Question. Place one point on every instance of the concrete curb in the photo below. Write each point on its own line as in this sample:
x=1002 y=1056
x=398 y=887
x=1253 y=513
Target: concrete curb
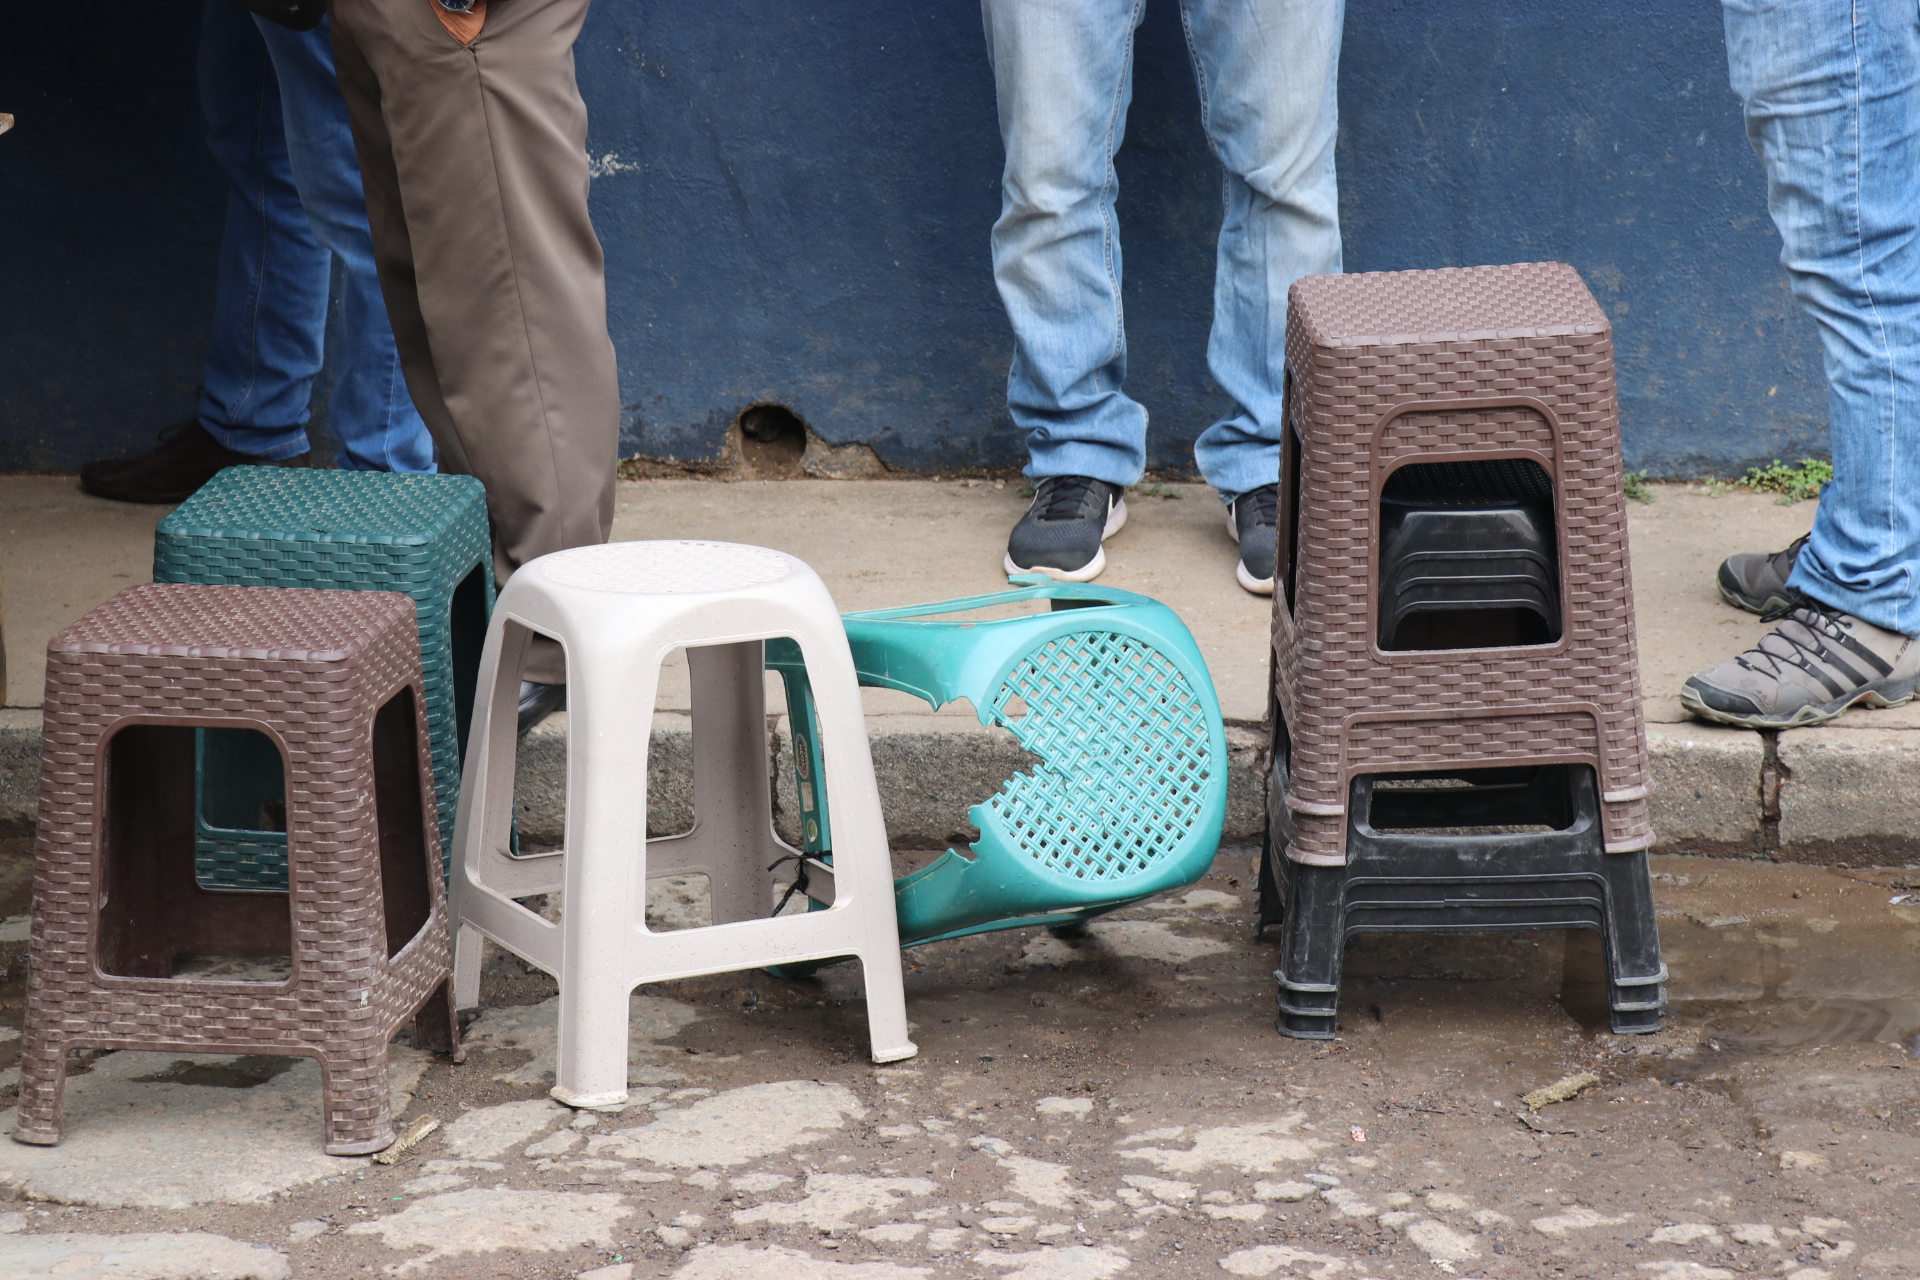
x=1817 y=796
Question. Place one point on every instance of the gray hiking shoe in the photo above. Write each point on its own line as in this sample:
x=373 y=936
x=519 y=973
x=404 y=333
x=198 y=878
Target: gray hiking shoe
x=1251 y=520
x=1814 y=665
x=1757 y=581
x=1061 y=533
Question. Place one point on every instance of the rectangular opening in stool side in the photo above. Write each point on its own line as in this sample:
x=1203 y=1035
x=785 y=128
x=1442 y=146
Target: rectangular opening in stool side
x=1469 y=556
x=403 y=816
x=1515 y=800
x=154 y=914
x=467 y=635
x=240 y=818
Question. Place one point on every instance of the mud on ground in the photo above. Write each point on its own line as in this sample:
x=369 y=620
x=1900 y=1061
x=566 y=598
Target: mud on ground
x=1116 y=1104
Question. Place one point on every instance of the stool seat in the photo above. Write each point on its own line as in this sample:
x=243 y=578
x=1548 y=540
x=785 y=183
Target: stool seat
x=330 y=682
x=619 y=611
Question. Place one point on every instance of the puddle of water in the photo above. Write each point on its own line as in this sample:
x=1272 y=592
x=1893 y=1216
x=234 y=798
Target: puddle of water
x=1783 y=1028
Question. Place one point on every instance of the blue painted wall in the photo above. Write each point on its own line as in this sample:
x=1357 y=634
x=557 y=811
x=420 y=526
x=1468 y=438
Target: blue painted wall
x=795 y=202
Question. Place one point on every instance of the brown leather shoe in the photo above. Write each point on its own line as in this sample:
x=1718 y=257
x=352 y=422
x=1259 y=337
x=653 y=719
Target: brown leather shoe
x=186 y=458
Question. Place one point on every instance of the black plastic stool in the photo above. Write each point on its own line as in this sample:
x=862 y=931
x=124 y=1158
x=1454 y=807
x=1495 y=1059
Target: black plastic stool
x=1467 y=556
x=1401 y=875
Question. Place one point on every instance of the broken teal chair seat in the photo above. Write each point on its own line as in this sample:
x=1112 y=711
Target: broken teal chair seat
x=1107 y=692
x=425 y=536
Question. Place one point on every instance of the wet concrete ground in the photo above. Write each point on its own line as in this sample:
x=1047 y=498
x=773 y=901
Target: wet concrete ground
x=1113 y=1105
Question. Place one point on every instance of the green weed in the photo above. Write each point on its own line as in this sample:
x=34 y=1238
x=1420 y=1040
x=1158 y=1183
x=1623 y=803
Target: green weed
x=1793 y=484
x=1636 y=486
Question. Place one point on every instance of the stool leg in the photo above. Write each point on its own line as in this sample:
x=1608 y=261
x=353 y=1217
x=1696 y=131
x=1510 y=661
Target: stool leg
x=605 y=872
x=43 y=1086
x=863 y=867
x=1634 y=972
x=484 y=820
x=469 y=947
x=1313 y=937
x=590 y=1064
x=731 y=790
x=359 y=1101
x=887 y=1005
x=436 y=1027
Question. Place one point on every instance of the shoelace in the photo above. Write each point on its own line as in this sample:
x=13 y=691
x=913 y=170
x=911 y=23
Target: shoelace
x=1802 y=639
x=1065 y=497
x=1265 y=504
x=1790 y=555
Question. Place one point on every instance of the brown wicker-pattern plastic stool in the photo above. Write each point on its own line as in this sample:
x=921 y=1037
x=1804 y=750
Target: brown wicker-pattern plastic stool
x=1475 y=363
x=1456 y=370
x=333 y=679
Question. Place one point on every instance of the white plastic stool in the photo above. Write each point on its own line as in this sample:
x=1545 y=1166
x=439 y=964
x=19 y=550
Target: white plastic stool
x=619 y=610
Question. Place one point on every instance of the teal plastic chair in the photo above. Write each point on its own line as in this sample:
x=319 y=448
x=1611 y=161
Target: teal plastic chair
x=425 y=536
x=1107 y=691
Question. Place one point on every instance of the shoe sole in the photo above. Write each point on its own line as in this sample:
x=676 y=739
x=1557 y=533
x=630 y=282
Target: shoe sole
x=1877 y=697
x=1259 y=586
x=134 y=495
x=152 y=499
x=1116 y=521
x=1746 y=605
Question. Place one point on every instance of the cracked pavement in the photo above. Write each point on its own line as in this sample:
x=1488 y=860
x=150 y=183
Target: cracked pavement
x=1114 y=1104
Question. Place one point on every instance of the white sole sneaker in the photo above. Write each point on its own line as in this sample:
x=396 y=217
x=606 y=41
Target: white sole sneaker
x=1259 y=586
x=1116 y=521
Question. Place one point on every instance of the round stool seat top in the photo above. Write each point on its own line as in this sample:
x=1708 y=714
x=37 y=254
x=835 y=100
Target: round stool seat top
x=665 y=568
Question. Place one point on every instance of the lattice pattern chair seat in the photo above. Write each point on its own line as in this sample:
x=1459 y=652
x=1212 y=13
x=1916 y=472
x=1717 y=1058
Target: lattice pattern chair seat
x=425 y=536
x=1109 y=693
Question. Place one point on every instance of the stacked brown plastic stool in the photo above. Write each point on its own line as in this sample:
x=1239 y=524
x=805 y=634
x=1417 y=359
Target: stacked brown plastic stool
x=331 y=677
x=1401 y=770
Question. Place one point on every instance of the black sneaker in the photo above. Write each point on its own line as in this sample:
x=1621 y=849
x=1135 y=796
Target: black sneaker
x=1251 y=520
x=1757 y=582
x=186 y=458
x=1061 y=533
x=538 y=701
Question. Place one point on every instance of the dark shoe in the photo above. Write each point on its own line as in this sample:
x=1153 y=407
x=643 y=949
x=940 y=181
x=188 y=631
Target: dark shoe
x=1061 y=533
x=538 y=701
x=1757 y=582
x=1814 y=665
x=1251 y=518
x=187 y=458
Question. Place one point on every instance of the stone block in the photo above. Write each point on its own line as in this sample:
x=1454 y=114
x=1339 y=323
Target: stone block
x=540 y=780
x=1706 y=788
x=1850 y=795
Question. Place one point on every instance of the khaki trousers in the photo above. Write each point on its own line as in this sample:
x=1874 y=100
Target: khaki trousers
x=475 y=165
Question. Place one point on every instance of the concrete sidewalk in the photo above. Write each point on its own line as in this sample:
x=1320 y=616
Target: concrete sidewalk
x=1841 y=793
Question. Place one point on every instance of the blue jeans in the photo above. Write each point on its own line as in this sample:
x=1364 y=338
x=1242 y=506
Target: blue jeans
x=1063 y=70
x=1832 y=96
x=278 y=127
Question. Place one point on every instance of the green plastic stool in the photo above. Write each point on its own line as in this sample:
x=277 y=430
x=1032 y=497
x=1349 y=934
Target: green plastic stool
x=1110 y=693
x=425 y=536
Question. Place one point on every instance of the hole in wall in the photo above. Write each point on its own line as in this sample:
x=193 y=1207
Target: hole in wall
x=773 y=439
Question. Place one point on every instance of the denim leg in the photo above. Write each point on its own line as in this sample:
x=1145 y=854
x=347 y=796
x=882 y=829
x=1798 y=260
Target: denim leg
x=1832 y=96
x=1063 y=76
x=370 y=411
x=1267 y=71
x=270 y=293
